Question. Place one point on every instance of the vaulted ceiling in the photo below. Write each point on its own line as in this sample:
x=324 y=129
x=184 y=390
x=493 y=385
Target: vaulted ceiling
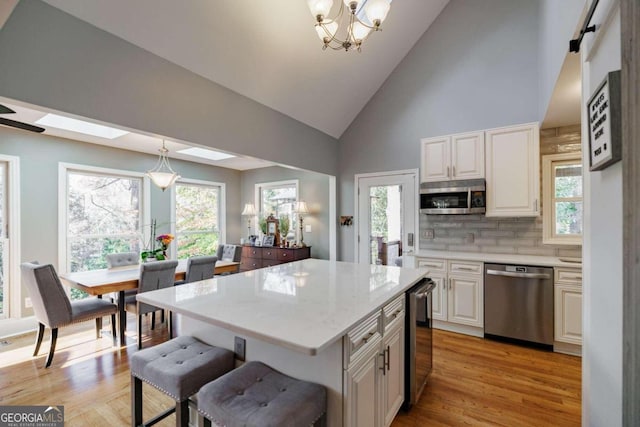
x=266 y=50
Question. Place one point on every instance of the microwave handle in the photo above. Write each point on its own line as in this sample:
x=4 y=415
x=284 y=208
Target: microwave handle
x=469 y=199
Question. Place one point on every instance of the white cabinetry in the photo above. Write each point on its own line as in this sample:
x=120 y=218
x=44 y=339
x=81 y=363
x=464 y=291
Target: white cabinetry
x=374 y=375
x=452 y=157
x=513 y=171
x=458 y=295
x=568 y=305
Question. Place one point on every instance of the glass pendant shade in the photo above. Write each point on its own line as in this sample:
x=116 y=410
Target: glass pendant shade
x=320 y=7
x=327 y=30
x=162 y=175
x=360 y=31
x=376 y=10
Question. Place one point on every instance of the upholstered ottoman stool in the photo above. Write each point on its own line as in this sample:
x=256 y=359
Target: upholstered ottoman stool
x=256 y=395
x=179 y=368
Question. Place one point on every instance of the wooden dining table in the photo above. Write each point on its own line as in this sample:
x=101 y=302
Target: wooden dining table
x=121 y=279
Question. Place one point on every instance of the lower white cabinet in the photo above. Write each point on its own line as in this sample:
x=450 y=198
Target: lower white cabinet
x=458 y=295
x=568 y=305
x=374 y=375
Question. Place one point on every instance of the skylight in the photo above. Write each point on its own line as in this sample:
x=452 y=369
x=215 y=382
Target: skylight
x=80 y=126
x=205 y=154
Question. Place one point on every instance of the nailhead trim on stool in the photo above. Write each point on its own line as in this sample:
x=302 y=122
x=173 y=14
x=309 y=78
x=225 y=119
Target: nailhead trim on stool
x=178 y=368
x=257 y=395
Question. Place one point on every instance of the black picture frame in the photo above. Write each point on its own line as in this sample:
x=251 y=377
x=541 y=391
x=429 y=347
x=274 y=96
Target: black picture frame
x=268 y=240
x=605 y=123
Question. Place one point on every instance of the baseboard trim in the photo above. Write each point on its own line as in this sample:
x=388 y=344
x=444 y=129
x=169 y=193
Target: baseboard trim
x=461 y=329
x=14 y=327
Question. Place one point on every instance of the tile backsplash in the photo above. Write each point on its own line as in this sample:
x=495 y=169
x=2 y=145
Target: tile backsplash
x=477 y=233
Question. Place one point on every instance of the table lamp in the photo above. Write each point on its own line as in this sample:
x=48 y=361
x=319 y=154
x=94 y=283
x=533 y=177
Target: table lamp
x=249 y=211
x=301 y=209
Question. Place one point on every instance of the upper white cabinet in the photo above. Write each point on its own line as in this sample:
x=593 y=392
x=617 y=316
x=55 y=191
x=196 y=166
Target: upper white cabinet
x=513 y=172
x=452 y=157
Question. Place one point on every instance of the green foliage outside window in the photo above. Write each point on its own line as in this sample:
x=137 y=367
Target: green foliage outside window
x=197 y=220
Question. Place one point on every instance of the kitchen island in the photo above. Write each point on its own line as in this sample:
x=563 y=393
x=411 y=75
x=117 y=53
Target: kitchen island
x=305 y=318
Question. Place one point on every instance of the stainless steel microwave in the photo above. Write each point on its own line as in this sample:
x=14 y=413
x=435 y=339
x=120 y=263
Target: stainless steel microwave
x=453 y=197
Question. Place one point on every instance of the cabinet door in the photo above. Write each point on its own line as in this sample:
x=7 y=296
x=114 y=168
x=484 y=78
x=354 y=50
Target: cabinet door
x=513 y=171
x=439 y=298
x=362 y=392
x=436 y=159
x=568 y=314
x=465 y=300
x=393 y=374
x=467 y=155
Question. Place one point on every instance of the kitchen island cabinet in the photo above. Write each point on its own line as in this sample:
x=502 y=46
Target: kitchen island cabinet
x=298 y=318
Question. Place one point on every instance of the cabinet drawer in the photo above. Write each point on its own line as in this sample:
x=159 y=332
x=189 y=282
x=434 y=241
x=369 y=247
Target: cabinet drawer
x=269 y=253
x=250 y=263
x=465 y=267
x=285 y=255
x=251 y=252
x=433 y=264
x=270 y=262
x=393 y=311
x=363 y=336
x=568 y=275
x=302 y=253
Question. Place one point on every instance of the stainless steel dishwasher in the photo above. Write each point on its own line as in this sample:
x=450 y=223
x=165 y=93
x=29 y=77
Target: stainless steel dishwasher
x=518 y=303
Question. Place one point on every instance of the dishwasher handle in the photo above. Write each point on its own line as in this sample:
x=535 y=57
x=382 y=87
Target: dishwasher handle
x=518 y=275
x=425 y=290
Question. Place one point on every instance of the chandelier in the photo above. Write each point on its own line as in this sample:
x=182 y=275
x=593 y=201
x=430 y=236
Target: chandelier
x=359 y=25
x=162 y=175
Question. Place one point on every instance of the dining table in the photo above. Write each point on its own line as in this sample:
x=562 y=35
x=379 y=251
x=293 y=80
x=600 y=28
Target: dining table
x=121 y=279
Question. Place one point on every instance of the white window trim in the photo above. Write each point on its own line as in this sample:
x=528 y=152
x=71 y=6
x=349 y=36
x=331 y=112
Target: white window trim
x=13 y=306
x=222 y=208
x=549 y=237
x=258 y=205
x=63 y=169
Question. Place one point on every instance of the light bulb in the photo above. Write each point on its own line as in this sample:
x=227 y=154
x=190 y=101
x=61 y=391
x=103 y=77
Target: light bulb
x=320 y=7
x=331 y=28
x=376 y=10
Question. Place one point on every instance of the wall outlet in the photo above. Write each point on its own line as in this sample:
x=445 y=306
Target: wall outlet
x=28 y=303
x=240 y=348
x=307 y=228
x=428 y=234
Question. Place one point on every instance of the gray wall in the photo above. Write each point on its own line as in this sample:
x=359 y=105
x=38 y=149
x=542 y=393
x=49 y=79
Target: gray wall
x=313 y=188
x=558 y=21
x=39 y=157
x=51 y=59
x=474 y=68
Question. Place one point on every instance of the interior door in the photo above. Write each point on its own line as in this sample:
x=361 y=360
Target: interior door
x=386 y=216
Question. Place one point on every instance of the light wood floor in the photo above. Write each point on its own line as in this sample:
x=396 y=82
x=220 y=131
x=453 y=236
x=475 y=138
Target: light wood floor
x=474 y=382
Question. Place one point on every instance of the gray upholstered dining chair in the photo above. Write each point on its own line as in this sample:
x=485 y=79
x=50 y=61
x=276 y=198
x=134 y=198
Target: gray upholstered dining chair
x=229 y=253
x=122 y=259
x=199 y=268
x=53 y=309
x=153 y=275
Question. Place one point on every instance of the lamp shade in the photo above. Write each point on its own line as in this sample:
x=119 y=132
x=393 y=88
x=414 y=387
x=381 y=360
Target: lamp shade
x=320 y=7
x=327 y=30
x=376 y=10
x=301 y=208
x=249 y=209
x=163 y=179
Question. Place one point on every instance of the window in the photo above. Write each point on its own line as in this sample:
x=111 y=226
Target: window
x=562 y=207
x=198 y=220
x=279 y=199
x=102 y=212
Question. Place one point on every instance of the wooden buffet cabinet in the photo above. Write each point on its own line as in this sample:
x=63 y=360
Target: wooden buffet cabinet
x=257 y=257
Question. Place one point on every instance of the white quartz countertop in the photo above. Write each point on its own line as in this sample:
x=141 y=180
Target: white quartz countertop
x=544 y=261
x=304 y=306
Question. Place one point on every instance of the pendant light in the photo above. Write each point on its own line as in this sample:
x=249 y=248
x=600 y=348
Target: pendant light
x=162 y=175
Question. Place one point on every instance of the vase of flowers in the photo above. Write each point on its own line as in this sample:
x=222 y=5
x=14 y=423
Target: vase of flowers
x=164 y=240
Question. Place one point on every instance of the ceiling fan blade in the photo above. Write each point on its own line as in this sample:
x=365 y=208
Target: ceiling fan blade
x=20 y=125
x=5 y=110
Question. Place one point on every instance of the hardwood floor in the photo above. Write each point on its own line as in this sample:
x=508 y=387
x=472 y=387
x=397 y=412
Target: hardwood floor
x=474 y=382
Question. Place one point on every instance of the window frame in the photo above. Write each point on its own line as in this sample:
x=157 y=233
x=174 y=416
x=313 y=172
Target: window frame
x=63 y=193
x=222 y=209
x=12 y=299
x=258 y=202
x=549 y=235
